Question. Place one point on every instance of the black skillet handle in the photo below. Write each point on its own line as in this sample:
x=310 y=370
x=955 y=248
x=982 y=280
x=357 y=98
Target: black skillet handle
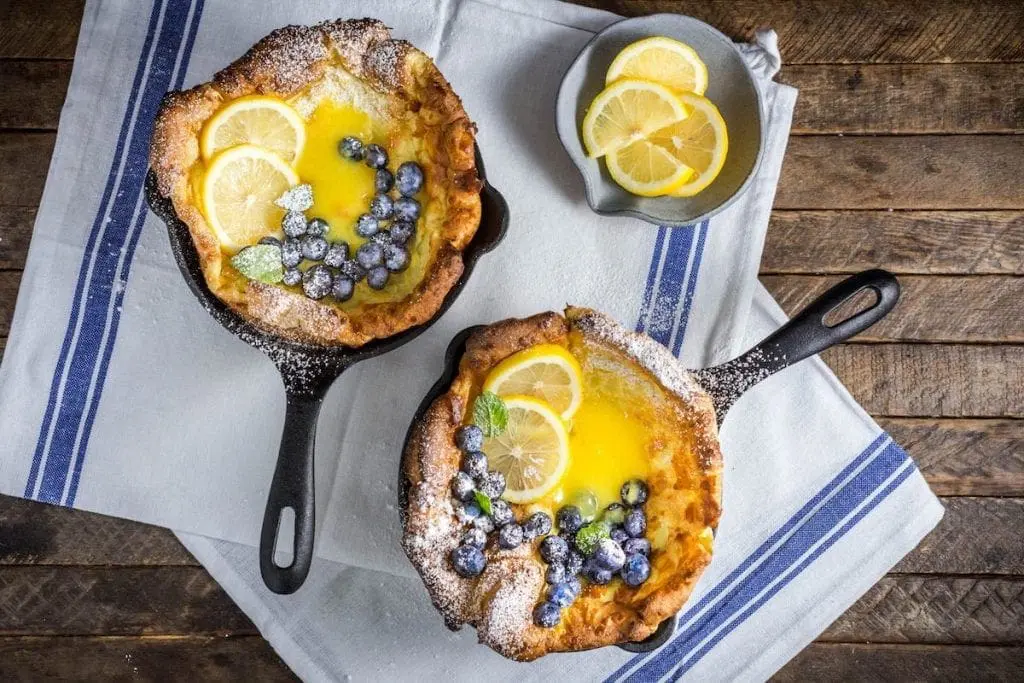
x=804 y=335
x=293 y=488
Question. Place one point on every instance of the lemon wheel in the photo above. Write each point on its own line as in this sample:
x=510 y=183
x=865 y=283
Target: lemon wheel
x=647 y=169
x=627 y=111
x=663 y=60
x=264 y=121
x=547 y=372
x=532 y=452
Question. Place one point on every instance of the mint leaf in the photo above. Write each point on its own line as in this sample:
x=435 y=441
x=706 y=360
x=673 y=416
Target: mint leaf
x=490 y=414
x=484 y=501
x=590 y=535
x=261 y=262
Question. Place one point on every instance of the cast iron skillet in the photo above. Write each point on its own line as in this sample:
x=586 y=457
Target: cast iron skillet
x=308 y=370
x=806 y=334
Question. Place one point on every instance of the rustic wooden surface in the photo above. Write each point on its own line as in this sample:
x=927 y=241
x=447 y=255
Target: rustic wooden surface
x=903 y=156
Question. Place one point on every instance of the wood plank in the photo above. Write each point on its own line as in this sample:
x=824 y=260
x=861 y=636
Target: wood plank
x=975 y=536
x=115 y=659
x=981 y=308
x=924 y=242
x=15 y=232
x=903 y=172
x=935 y=609
x=908 y=98
x=126 y=601
x=24 y=161
x=40 y=28
x=32 y=93
x=870 y=663
x=932 y=380
x=964 y=457
x=9 y=281
x=877 y=31
x=39 y=534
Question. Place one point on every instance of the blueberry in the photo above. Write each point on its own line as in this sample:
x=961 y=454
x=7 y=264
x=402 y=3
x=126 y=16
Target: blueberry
x=510 y=536
x=547 y=615
x=317 y=227
x=474 y=537
x=343 y=288
x=396 y=258
x=377 y=277
x=562 y=594
x=317 y=281
x=469 y=438
x=468 y=561
x=406 y=209
x=573 y=563
x=370 y=255
x=614 y=513
x=474 y=463
x=570 y=519
x=468 y=512
x=270 y=240
x=555 y=573
x=375 y=156
x=635 y=523
x=637 y=545
x=336 y=254
x=401 y=231
x=636 y=570
x=501 y=513
x=596 y=574
x=314 y=248
x=409 y=178
x=491 y=483
x=351 y=269
x=383 y=181
x=383 y=238
x=351 y=148
x=382 y=206
x=537 y=524
x=554 y=549
x=634 y=492
x=292 y=276
x=484 y=523
x=462 y=486
x=619 y=535
x=609 y=555
x=367 y=225
x=293 y=224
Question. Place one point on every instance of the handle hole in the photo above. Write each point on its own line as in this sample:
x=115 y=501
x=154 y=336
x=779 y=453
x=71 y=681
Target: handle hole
x=852 y=306
x=284 y=543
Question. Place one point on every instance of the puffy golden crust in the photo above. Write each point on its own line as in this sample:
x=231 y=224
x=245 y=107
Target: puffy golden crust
x=499 y=603
x=284 y=64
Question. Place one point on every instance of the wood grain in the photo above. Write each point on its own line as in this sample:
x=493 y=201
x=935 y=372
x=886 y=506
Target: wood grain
x=975 y=536
x=15 y=232
x=117 y=659
x=9 y=281
x=908 y=98
x=24 y=160
x=126 y=601
x=870 y=663
x=32 y=93
x=965 y=457
x=39 y=28
x=932 y=380
x=903 y=172
x=985 y=308
x=39 y=534
x=923 y=242
x=819 y=31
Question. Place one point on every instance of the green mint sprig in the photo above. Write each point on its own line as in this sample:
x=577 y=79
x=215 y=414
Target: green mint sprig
x=260 y=262
x=490 y=414
x=484 y=501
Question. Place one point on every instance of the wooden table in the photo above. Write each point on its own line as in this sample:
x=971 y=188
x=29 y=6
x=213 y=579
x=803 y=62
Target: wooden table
x=903 y=156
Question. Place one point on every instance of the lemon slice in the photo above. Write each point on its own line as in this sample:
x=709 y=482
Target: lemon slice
x=533 y=451
x=239 y=190
x=647 y=169
x=627 y=111
x=547 y=372
x=264 y=121
x=663 y=60
x=700 y=142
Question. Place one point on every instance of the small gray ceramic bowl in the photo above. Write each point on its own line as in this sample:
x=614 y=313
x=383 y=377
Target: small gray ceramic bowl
x=731 y=88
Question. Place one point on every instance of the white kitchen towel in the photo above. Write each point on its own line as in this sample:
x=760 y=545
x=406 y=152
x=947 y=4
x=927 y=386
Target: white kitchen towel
x=120 y=395
x=818 y=505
